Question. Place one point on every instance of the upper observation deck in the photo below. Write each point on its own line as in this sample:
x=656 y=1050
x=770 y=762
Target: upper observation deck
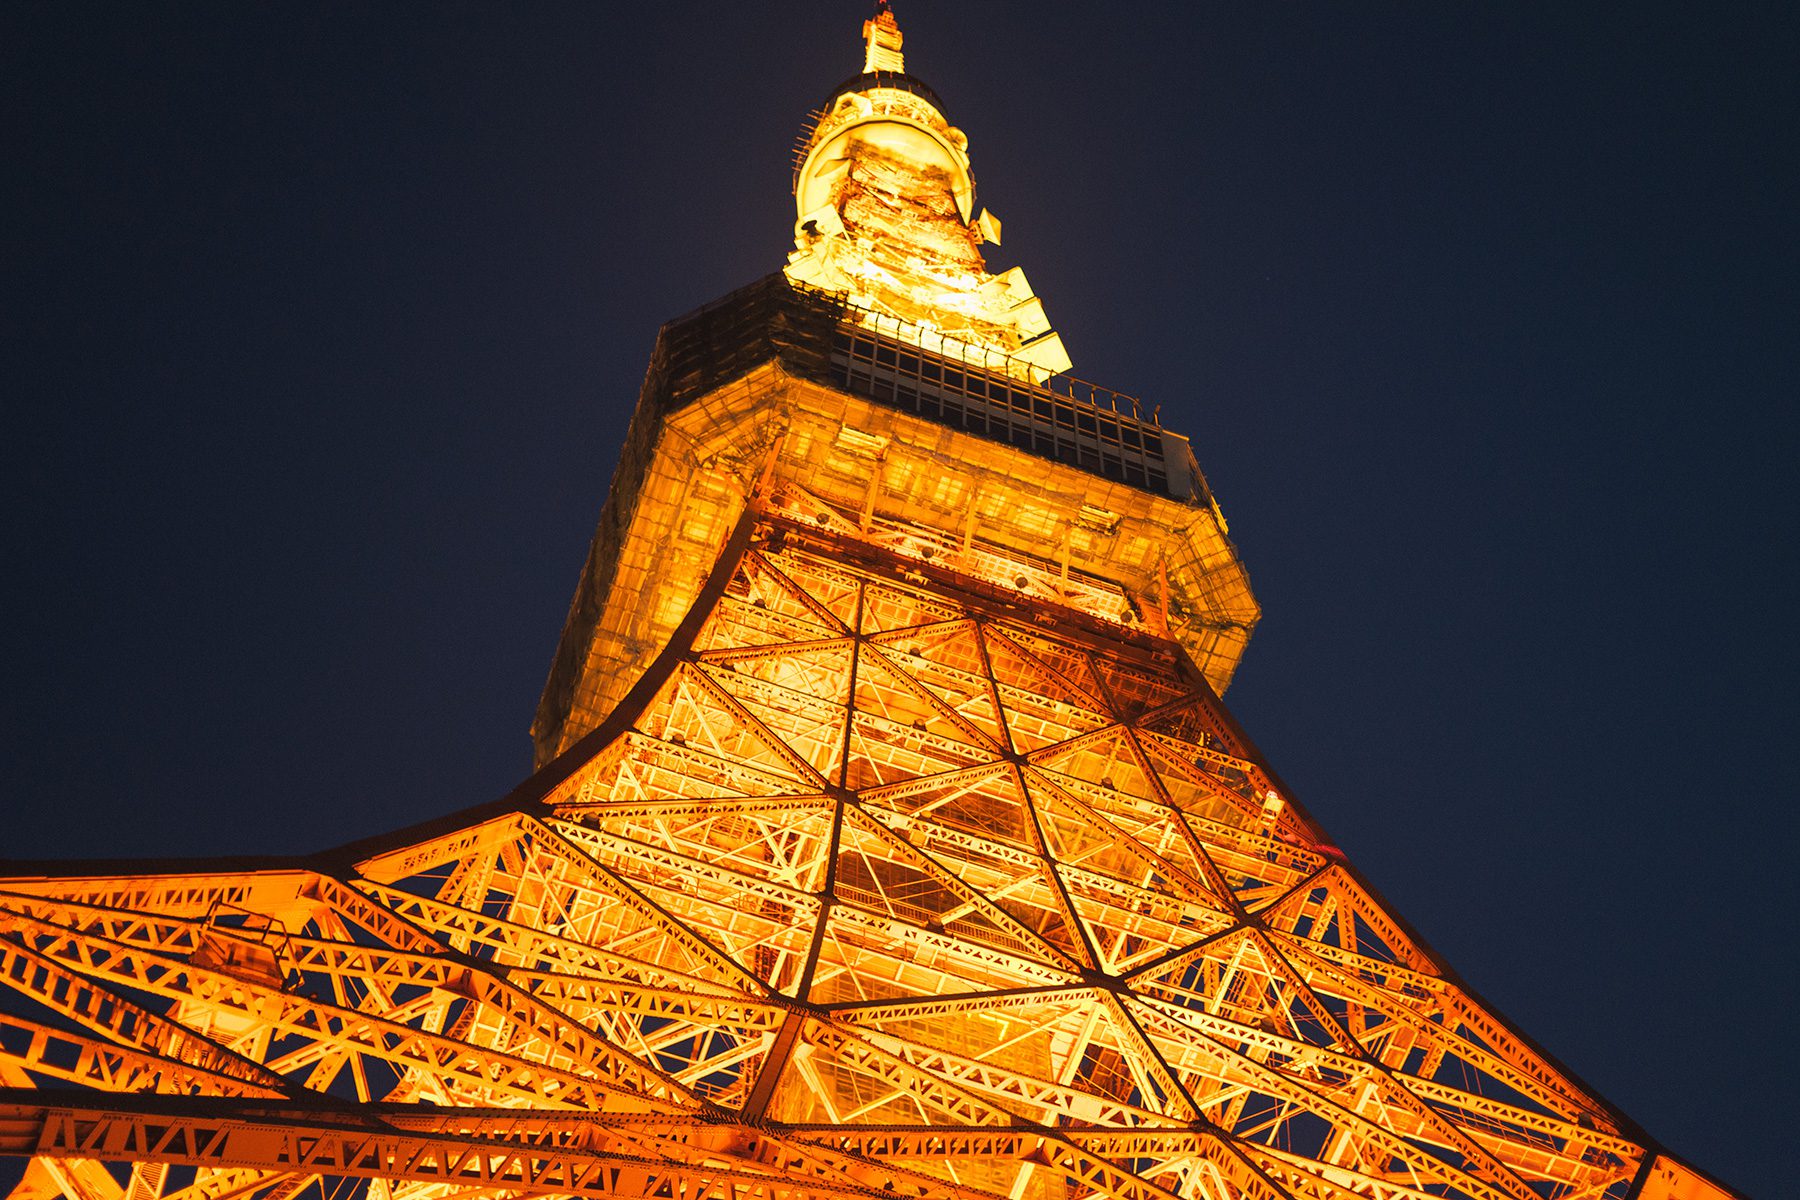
x=893 y=438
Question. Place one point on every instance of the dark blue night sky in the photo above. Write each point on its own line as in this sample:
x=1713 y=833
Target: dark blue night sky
x=324 y=323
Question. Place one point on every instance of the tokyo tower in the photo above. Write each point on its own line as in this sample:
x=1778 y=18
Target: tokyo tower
x=889 y=837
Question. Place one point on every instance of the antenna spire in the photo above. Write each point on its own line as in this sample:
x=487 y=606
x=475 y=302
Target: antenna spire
x=881 y=41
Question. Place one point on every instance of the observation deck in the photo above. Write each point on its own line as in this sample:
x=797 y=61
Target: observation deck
x=1000 y=397
x=1046 y=491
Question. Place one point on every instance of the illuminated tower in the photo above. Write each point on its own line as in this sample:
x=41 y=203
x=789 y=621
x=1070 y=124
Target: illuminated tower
x=889 y=839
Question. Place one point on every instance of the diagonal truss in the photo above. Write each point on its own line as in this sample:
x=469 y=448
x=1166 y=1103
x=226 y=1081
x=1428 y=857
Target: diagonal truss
x=871 y=887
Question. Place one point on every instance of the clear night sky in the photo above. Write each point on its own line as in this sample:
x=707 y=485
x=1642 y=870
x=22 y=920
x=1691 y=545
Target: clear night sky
x=324 y=323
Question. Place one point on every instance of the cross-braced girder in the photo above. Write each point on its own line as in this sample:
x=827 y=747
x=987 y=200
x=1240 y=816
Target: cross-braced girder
x=872 y=886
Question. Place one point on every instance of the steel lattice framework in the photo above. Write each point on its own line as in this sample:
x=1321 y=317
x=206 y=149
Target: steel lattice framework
x=870 y=888
x=891 y=841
